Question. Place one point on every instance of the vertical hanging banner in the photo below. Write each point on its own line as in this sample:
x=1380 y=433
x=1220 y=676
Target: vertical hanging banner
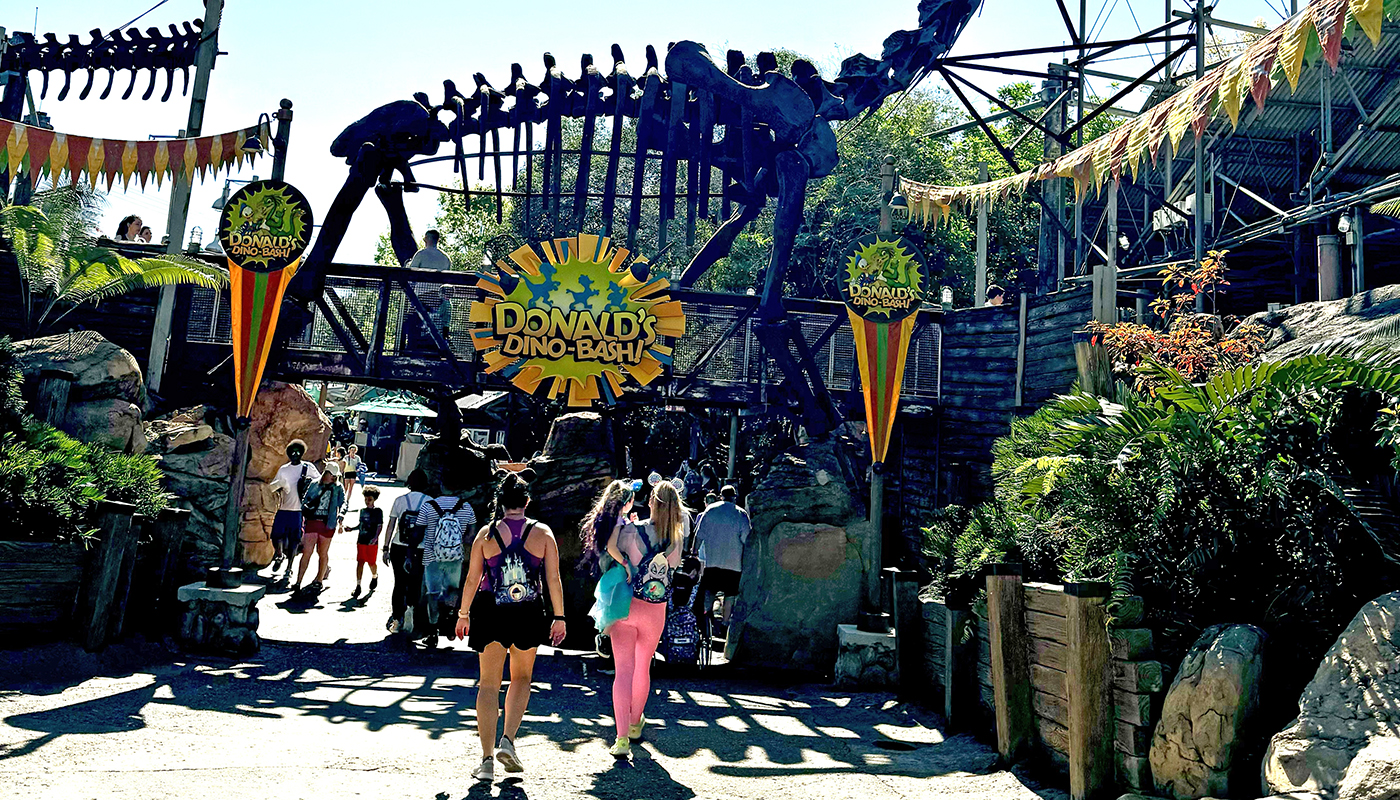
x=882 y=281
x=264 y=229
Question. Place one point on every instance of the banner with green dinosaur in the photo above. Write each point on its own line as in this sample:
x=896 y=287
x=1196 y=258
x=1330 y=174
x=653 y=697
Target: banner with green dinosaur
x=264 y=229
x=882 y=281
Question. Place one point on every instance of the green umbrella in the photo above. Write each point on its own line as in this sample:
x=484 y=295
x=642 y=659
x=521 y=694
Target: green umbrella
x=394 y=405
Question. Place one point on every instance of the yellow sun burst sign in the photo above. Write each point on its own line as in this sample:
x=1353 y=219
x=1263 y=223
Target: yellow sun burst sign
x=577 y=316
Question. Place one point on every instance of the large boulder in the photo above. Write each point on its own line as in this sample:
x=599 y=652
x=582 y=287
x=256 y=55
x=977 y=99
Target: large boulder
x=281 y=413
x=1296 y=329
x=108 y=395
x=1207 y=717
x=1345 y=743
x=806 y=563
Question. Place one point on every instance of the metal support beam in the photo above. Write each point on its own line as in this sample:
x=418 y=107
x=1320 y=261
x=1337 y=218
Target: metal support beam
x=1198 y=218
x=980 y=282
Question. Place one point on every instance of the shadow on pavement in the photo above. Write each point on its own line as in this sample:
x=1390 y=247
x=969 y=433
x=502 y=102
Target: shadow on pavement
x=753 y=729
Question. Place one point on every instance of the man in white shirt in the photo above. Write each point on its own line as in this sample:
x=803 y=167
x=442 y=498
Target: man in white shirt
x=291 y=482
x=430 y=257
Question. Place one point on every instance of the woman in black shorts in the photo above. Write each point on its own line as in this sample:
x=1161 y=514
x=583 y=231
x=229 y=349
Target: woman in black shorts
x=513 y=560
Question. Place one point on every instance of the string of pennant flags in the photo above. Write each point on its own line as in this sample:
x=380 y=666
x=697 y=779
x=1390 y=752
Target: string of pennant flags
x=63 y=156
x=1314 y=33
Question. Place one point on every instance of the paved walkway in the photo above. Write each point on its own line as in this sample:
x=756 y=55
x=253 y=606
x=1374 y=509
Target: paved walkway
x=329 y=710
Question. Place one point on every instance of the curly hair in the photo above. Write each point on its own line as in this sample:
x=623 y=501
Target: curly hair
x=598 y=524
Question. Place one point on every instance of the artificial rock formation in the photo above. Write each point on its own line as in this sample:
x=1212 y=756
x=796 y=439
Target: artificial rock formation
x=108 y=395
x=1297 y=329
x=572 y=470
x=196 y=460
x=805 y=564
x=1207 y=714
x=282 y=412
x=1345 y=743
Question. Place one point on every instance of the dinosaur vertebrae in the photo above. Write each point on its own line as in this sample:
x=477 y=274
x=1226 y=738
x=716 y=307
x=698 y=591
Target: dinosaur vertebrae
x=116 y=51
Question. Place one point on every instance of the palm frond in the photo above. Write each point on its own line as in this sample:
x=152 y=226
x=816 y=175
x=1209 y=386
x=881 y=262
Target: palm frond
x=1389 y=208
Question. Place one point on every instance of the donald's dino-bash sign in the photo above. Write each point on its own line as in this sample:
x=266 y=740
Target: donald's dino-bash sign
x=576 y=315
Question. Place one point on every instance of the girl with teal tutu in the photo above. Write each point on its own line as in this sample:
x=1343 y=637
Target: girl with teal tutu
x=613 y=595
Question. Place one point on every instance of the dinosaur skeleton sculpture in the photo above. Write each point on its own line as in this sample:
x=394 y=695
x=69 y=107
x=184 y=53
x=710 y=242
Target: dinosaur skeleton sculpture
x=115 y=51
x=776 y=137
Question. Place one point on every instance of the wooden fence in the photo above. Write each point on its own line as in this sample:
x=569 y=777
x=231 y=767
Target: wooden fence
x=998 y=363
x=1040 y=667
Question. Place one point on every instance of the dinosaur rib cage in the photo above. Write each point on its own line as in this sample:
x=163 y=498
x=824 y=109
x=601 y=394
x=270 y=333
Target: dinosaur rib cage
x=608 y=138
x=129 y=51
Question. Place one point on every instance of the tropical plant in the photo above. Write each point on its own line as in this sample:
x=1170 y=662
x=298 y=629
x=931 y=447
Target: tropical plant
x=61 y=266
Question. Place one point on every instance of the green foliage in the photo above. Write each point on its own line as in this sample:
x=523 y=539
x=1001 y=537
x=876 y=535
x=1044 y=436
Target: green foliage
x=61 y=266
x=1265 y=495
x=50 y=482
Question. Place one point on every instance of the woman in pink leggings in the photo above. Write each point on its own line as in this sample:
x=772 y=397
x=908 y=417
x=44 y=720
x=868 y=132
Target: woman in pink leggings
x=649 y=553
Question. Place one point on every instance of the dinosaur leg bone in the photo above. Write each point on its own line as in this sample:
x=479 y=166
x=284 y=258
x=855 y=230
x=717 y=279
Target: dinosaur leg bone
x=792 y=172
x=720 y=243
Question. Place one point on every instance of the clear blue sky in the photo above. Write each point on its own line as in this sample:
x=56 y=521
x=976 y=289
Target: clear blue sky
x=338 y=60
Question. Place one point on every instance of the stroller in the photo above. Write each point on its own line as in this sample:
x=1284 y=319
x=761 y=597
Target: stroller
x=681 y=639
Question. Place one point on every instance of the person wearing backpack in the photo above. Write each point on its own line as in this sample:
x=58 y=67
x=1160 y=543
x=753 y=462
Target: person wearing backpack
x=292 y=481
x=324 y=509
x=514 y=563
x=448 y=525
x=403 y=549
x=650 y=554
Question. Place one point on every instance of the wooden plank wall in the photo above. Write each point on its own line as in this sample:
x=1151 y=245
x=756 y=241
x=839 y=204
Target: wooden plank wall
x=1046 y=640
x=1050 y=324
x=950 y=460
x=38 y=588
x=125 y=321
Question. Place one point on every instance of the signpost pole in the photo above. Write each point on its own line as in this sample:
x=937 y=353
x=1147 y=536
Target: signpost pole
x=877 y=468
x=180 y=192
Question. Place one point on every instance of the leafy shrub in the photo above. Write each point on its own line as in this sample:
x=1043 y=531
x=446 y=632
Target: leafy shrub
x=1250 y=499
x=50 y=482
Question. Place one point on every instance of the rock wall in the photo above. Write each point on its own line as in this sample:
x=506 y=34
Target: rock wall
x=196 y=460
x=108 y=396
x=282 y=412
x=572 y=470
x=1296 y=329
x=1345 y=743
x=805 y=564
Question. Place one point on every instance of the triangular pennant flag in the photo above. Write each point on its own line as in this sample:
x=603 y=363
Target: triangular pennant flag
x=40 y=145
x=97 y=158
x=160 y=161
x=16 y=144
x=1368 y=15
x=1330 y=19
x=58 y=157
x=128 y=163
x=145 y=160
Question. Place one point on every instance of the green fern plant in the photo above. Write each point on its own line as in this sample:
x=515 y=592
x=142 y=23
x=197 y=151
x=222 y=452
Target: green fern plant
x=61 y=266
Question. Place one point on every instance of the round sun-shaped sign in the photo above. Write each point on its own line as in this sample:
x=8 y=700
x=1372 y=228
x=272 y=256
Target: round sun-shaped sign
x=580 y=318
x=265 y=225
x=882 y=277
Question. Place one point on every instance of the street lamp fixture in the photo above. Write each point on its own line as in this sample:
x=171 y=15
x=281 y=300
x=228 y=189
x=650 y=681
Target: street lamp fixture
x=228 y=182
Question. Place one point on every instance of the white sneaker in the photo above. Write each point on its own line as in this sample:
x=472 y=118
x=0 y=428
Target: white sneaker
x=487 y=771
x=505 y=753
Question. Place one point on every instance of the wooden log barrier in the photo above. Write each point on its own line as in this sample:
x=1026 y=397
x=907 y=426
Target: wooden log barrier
x=1011 y=682
x=52 y=395
x=115 y=535
x=1095 y=367
x=1089 y=684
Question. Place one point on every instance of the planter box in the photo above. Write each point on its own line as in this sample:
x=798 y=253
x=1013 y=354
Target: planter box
x=39 y=583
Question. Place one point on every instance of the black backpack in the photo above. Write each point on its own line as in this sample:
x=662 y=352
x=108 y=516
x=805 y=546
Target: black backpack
x=303 y=483
x=410 y=532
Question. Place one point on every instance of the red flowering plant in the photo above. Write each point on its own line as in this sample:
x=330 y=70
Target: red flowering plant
x=1194 y=344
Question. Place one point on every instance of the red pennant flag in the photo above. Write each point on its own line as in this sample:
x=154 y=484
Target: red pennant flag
x=176 y=149
x=78 y=147
x=145 y=160
x=112 y=150
x=40 y=141
x=202 y=146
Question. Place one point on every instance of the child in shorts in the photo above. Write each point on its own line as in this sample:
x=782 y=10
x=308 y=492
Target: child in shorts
x=367 y=550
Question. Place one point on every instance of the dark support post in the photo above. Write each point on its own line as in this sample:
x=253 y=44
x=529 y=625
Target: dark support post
x=733 y=445
x=1198 y=214
x=1089 y=684
x=115 y=536
x=1329 y=268
x=233 y=512
x=877 y=470
x=280 y=139
x=1095 y=368
x=959 y=667
x=1011 y=683
x=169 y=528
